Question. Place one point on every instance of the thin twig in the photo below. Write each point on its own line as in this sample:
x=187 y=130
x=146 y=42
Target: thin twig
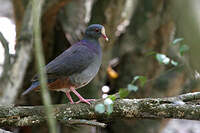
x=86 y=122
x=6 y=65
x=4 y=42
x=37 y=12
x=187 y=97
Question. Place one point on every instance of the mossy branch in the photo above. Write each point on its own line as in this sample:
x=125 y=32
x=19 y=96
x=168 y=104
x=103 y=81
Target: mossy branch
x=151 y=108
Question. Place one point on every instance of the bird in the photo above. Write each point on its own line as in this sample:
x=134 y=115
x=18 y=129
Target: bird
x=76 y=66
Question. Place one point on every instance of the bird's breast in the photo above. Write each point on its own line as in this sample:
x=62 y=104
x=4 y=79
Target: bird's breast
x=84 y=77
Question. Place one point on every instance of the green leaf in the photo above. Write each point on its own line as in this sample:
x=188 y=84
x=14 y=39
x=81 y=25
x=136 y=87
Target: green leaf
x=109 y=105
x=174 y=63
x=177 y=40
x=112 y=97
x=108 y=101
x=142 y=80
x=100 y=108
x=136 y=78
x=132 y=87
x=109 y=109
x=183 y=48
x=123 y=93
x=162 y=58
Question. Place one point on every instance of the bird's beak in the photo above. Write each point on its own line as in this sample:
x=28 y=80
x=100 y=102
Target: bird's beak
x=103 y=33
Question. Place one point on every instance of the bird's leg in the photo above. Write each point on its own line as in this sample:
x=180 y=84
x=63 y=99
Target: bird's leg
x=80 y=97
x=69 y=97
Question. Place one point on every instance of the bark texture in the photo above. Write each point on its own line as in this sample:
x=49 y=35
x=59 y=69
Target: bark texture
x=149 y=108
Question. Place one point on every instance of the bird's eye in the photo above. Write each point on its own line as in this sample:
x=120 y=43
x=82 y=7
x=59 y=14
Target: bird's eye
x=97 y=30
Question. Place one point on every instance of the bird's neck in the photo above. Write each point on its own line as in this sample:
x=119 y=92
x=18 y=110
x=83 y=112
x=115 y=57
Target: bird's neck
x=91 y=39
x=92 y=44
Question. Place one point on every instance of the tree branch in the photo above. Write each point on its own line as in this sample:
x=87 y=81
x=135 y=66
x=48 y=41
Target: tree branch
x=86 y=122
x=151 y=108
x=186 y=97
x=6 y=64
x=11 y=84
x=4 y=42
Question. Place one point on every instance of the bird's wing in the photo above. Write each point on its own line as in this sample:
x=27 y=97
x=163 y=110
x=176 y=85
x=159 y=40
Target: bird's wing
x=73 y=60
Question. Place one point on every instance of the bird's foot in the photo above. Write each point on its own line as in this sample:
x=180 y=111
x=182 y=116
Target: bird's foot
x=85 y=100
x=72 y=102
x=80 y=97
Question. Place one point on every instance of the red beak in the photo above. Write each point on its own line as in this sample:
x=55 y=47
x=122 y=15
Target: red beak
x=105 y=37
x=103 y=33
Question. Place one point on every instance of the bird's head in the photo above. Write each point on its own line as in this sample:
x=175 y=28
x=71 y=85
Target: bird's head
x=96 y=31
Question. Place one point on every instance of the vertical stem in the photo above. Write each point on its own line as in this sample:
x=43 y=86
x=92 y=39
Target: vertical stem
x=36 y=13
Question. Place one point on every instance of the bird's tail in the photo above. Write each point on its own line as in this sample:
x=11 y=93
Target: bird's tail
x=32 y=87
